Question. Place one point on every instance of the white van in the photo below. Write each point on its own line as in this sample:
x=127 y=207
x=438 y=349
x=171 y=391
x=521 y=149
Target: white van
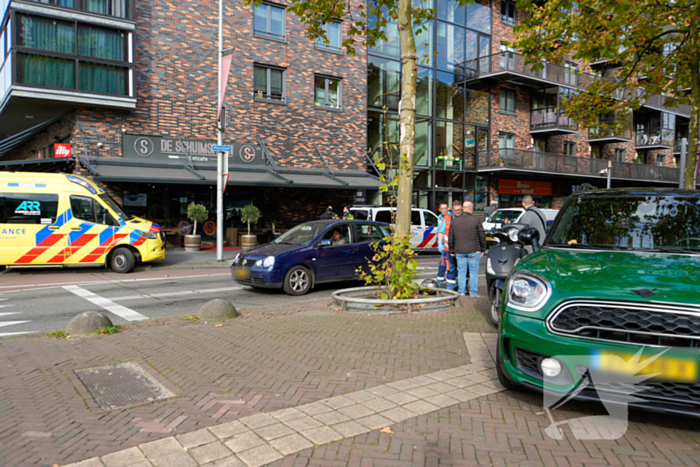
x=512 y=216
x=423 y=223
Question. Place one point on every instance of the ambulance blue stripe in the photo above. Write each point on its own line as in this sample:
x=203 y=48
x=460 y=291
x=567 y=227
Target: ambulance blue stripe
x=27 y=185
x=106 y=234
x=84 y=227
x=133 y=236
x=44 y=233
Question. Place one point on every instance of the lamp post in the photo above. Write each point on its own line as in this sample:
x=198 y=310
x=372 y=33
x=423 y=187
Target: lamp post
x=219 y=141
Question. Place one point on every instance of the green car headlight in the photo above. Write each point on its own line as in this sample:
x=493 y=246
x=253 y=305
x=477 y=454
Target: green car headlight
x=527 y=292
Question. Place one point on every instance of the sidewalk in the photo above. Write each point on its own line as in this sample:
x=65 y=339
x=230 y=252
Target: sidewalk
x=400 y=390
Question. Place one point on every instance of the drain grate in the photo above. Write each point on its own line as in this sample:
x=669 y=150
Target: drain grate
x=122 y=385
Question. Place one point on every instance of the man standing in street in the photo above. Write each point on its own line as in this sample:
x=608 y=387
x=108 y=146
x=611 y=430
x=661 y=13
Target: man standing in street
x=488 y=210
x=347 y=215
x=534 y=218
x=467 y=243
x=328 y=214
x=448 y=264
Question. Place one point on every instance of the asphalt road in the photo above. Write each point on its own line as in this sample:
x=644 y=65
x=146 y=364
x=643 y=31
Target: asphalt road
x=46 y=300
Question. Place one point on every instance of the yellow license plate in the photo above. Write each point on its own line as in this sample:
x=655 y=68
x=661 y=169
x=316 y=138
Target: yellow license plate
x=665 y=368
x=242 y=273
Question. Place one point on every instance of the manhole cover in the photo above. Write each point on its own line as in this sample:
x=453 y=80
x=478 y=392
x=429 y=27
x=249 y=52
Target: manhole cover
x=122 y=385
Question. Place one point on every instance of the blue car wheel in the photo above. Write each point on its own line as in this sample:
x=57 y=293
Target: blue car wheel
x=297 y=281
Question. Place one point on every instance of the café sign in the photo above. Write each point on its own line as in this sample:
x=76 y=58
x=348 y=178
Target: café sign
x=156 y=148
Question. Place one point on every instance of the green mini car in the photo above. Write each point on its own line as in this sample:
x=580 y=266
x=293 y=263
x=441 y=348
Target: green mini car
x=614 y=290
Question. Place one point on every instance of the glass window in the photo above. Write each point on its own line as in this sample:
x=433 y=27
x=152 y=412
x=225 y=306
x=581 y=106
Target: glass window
x=476 y=109
x=423 y=143
x=596 y=152
x=383 y=134
x=327 y=92
x=339 y=234
x=40 y=70
x=269 y=20
x=28 y=208
x=450 y=47
x=82 y=208
x=302 y=234
x=430 y=219
x=334 y=35
x=506 y=145
x=101 y=43
x=390 y=47
x=424 y=92
x=360 y=214
x=449 y=145
x=445 y=179
x=570 y=74
x=660 y=160
x=46 y=34
x=269 y=83
x=452 y=11
x=107 y=79
x=383 y=83
x=569 y=149
x=367 y=233
x=620 y=155
x=415 y=218
x=479 y=16
x=507 y=101
x=450 y=97
x=508 y=11
x=424 y=44
x=384 y=216
x=422 y=179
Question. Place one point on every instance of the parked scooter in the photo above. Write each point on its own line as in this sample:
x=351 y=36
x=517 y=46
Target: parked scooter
x=501 y=261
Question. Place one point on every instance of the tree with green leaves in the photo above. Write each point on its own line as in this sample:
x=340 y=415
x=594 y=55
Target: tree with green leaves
x=653 y=47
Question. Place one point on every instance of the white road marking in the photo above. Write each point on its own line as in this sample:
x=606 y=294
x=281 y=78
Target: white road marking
x=5 y=306
x=12 y=323
x=173 y=294
x=4 y=334
x=63 y=284
x=8 y=314
x=119 y=310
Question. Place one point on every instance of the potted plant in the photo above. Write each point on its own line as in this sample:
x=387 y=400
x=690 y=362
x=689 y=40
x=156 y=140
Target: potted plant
x=249 y=214
x=271 y=214
x=195 y=213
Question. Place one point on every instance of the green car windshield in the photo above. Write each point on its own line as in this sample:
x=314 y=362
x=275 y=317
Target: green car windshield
x=501 y=216
x=656 y=223
x=301 y=234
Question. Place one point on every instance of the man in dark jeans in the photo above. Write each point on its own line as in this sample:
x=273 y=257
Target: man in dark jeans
x=467 y=243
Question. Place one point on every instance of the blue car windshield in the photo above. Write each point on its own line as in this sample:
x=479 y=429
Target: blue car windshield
x=302 y=234
x=656 y=222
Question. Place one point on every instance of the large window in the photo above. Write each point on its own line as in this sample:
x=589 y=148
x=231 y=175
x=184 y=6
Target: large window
x=49 y=54
x=383 y=83
x=327 y=92
x=620 y=155
x=28 y=208
x=270 y=20
x=269 y=83
x=116 y=8
x=507 y=101
x=334 y=35
x=506 y=145
x=569 y=149
x=508 y=11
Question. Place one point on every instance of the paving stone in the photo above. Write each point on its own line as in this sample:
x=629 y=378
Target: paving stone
x=161 y=448
x=180 y=459
x=440 y=375
x=244 y=442
x=231 y=461
x=93 y=462
x=421 y=380
x=356 y=411
x=291 y=443
x=379 y=405
x=123 y=458
x=332 y=417
x=210 y=452
x=440 y=388
x=421 y=407
x=302 y=423
x=142 y=464
x=383 y=390
x=441 y=400
x=401 y=398
x=349 y=429
x=314 y=409
x=361 y=396
x=480 y=377
x=196 y=438
x=483 y=389
x=322 y=435
x=462 y=395
x=374 y=421
x=287 y=414
x=398 y=414
x=422 y=392
x=337 y=402
x=458 y=371
x=227 y=430
x=271 y=432
x=461 y=382
x=260 y=455
x=258 y=420
x=403 y=385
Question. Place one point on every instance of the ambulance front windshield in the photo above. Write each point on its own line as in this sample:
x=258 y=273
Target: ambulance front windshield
x=114 y=206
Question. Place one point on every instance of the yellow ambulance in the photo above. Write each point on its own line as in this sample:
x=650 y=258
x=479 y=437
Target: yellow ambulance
x=67 y=220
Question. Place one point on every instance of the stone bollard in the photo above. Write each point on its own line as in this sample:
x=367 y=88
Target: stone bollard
x=87 y=323
x=217 y=310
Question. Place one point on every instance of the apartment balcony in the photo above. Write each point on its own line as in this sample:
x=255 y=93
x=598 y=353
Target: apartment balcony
x=529 y=161
x=654 y=138
x=677 y=143
x=551 y=121
x=607 y=135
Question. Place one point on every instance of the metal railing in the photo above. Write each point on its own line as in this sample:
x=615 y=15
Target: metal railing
x=654 y=137
x=557 y=163
x=625 y=132
x=551 y=118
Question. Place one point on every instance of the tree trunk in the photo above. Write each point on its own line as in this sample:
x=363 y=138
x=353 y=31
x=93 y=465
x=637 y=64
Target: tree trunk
x=692 y=158
x=194 y=231
x=248 y=227
x=407 y=116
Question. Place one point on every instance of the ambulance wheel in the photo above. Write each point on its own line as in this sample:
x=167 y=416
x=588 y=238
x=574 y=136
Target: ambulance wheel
x=122 y=261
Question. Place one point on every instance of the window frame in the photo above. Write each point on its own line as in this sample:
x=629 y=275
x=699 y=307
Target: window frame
x=567 y=148
x=268 y=71
x=510 y=16
x=505 y=109
x=319 y=44
x=268 y=17
x=619 y=155
x=328 y=79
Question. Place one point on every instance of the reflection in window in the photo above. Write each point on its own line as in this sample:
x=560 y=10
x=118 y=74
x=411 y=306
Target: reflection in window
x=450 y=47
x=446 y=179
x=450 y=97
x=100 y=43
x=383 y=83
x=383 y=136
x=424 y=44
x=449 y=146
x=477 y=104
x=46 y=34
x=479 y=16
x=391 y=47
x=327 y=92
x=269 y=20
x=98 y=77
x=39 y=70
x=421 y=179
x=423 y=143
x=452 y=11
x=334 y=35
x=424 y=92
x=268 y=83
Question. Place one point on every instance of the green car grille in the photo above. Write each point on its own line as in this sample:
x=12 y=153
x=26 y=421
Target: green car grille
x=637 y=323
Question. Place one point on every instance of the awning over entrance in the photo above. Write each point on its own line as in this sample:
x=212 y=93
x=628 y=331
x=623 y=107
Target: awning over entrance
x=64 y=164
x=110 y=170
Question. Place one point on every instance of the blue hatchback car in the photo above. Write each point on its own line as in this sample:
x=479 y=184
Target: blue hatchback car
x=309 y=254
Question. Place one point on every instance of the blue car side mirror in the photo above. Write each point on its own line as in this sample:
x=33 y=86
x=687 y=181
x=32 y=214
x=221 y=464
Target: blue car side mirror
x=326 y=243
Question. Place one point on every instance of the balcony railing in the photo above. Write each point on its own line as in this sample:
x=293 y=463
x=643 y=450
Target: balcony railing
x=551 y=118
x=677 y=144
x=622 y=134
x=654 y=137
x=584 y=166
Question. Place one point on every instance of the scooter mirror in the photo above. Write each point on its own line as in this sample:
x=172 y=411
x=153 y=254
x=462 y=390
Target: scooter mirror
x=530 y=237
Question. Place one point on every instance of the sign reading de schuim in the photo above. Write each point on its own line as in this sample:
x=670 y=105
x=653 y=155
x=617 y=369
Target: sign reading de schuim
x=157 y=148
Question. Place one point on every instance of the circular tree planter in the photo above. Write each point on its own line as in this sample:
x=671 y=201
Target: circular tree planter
x=359 y=299
x=248 y=241
x=193 y=242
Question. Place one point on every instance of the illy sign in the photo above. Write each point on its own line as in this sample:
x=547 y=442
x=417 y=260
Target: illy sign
x=62 y=150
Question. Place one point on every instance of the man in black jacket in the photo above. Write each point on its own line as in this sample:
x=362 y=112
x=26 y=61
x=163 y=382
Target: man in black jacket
x=467 y=243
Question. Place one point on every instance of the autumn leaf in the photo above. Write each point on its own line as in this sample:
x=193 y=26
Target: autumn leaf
x=386 y=429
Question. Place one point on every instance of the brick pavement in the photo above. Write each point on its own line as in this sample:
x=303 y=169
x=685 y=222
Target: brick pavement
x=270 y=359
